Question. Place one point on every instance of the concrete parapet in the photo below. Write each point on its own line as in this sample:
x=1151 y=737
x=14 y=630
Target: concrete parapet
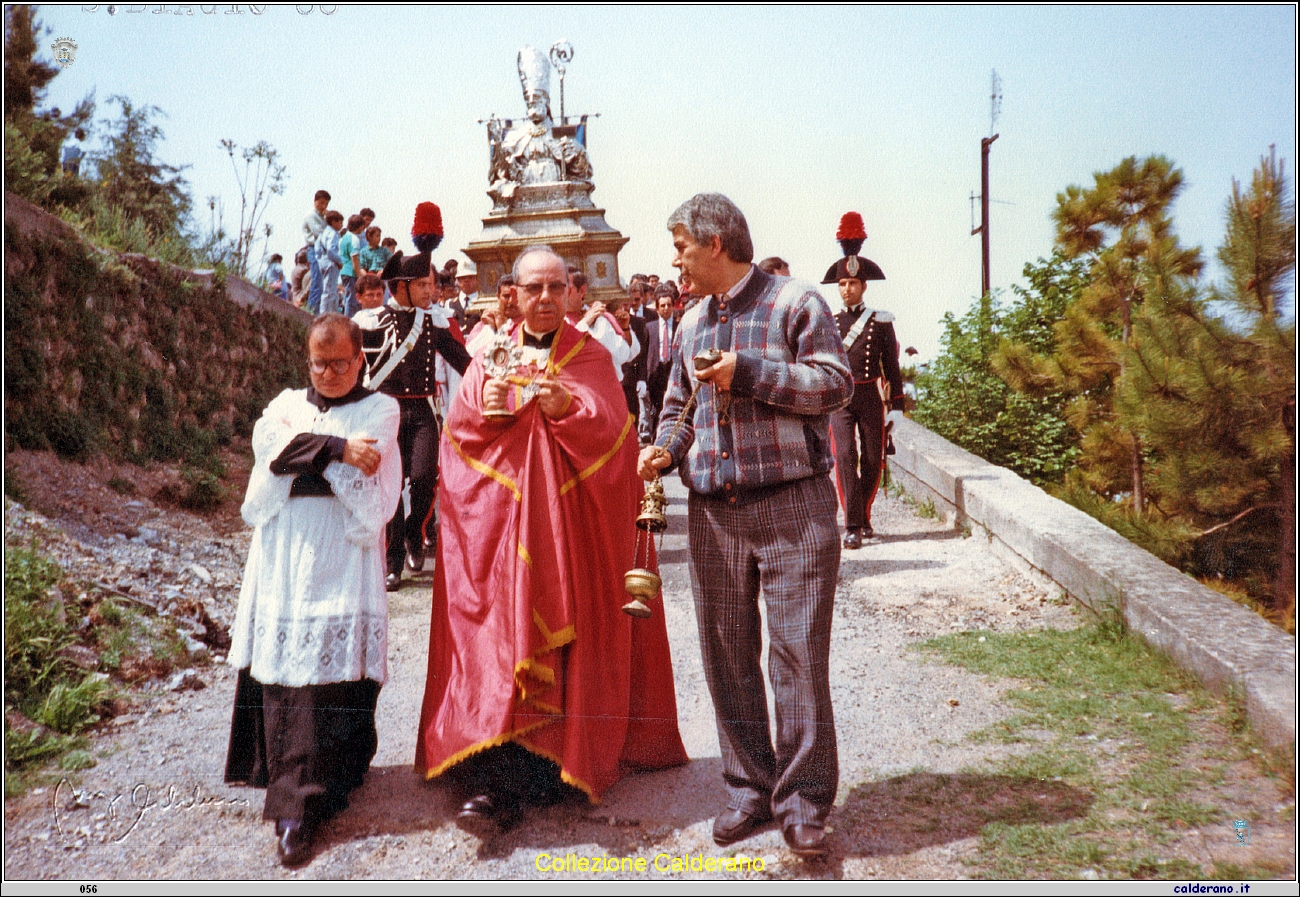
x=1225 y=645
x=241 y=292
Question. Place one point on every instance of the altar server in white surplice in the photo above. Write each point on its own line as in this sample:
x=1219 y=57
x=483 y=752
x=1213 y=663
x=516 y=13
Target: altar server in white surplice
x=310 y=638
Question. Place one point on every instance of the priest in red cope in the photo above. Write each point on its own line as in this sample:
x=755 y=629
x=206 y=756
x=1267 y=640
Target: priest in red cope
x=538 y=683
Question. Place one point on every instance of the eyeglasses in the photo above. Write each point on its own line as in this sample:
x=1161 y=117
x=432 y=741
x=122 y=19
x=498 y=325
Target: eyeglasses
x=555 y=287
x=339 y=366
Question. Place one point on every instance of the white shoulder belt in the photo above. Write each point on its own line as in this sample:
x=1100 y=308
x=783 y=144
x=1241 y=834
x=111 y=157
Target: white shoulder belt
x=856 y=330
x=400 y=352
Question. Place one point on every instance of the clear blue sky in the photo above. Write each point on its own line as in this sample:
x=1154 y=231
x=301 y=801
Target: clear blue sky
x=798 y=114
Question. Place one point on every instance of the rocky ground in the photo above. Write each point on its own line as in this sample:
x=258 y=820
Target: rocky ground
x=155 y=806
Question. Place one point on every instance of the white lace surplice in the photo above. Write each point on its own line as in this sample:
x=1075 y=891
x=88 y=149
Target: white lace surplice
x=313 y=608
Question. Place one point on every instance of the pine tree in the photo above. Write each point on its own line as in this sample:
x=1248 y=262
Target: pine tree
x=134 y=181
x=1122 y=230
x=25 y=75
x=1214 y=398
x=33 y=136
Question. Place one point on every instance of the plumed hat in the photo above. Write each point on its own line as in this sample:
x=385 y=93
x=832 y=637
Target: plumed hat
x=851 y=234
x=407 y=267
x=426 y=232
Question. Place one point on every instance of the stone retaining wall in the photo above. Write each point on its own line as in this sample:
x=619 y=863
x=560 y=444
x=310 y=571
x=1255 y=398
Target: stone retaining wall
x=123 y=354
x=1225 y=645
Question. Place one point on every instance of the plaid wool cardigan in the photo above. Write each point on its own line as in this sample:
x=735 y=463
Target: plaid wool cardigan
x=791 y=373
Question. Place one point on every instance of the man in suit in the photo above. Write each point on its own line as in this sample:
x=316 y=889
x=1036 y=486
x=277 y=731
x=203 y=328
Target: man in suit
x=858 y=430
x=755 y=455
x=634 y=369
x=659 y=360
x=467 y=290
x=638 y=293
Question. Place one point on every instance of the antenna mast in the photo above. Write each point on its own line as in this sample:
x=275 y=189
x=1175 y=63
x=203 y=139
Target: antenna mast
x=995 y=109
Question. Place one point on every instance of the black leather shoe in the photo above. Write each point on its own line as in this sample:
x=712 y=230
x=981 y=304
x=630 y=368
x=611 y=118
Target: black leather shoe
x=868 y=532
x=293 y=842
x=806 y=840
x=736 y=825
x=415 y=560
x=393 y=582
x=487 y=814
x=852 y=539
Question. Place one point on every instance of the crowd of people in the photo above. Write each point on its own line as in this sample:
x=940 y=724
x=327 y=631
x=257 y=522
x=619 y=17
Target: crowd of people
x=531 y=422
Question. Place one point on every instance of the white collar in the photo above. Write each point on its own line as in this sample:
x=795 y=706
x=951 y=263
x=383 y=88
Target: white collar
x=740 y=284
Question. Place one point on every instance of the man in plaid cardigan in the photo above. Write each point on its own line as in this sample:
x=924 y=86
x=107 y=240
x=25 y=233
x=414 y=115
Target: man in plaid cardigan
x=755 y=454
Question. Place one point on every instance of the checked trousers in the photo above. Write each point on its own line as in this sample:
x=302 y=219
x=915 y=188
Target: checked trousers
x=784 y=545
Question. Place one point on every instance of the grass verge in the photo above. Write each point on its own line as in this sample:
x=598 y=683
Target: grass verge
x=924 y=508
x=1128 y=727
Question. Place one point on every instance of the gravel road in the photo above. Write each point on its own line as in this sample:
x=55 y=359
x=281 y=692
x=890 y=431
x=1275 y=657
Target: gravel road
x=155 y=806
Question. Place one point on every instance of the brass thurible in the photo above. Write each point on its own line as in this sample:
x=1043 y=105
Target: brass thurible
x=642 y=583
x=652 y=518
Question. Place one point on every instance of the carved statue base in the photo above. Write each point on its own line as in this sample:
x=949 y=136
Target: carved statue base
x=560 y=215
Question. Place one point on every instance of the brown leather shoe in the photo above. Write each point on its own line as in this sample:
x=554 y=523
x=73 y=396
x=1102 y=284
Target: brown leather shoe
x=806 y=840
x=736 y=825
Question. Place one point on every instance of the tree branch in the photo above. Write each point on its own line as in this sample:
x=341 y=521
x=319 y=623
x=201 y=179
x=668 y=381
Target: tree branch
x=1227 y=523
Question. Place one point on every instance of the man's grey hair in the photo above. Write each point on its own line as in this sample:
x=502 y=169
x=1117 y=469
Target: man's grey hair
x=533 y=250
x=708 y=215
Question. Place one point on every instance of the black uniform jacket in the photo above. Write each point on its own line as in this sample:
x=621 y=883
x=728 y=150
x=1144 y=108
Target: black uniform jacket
x=873 y=354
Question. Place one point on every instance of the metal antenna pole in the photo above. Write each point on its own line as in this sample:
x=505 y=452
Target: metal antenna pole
x=995 y=108
x=984 y=207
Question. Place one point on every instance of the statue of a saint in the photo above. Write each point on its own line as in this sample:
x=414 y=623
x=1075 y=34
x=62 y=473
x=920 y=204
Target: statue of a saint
x=529 y=153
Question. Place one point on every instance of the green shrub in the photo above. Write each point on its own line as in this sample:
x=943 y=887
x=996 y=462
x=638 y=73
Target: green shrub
x=135 y=646
x=74 y=761
x=121 y=485
x=69 y=434
x=70 y=708
x=33 y=631
x=27 y=430
x=14 y=487
x=42 y=685
x=963 y=398
x=25 y=172
x=204 y=492
x=25 y=748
